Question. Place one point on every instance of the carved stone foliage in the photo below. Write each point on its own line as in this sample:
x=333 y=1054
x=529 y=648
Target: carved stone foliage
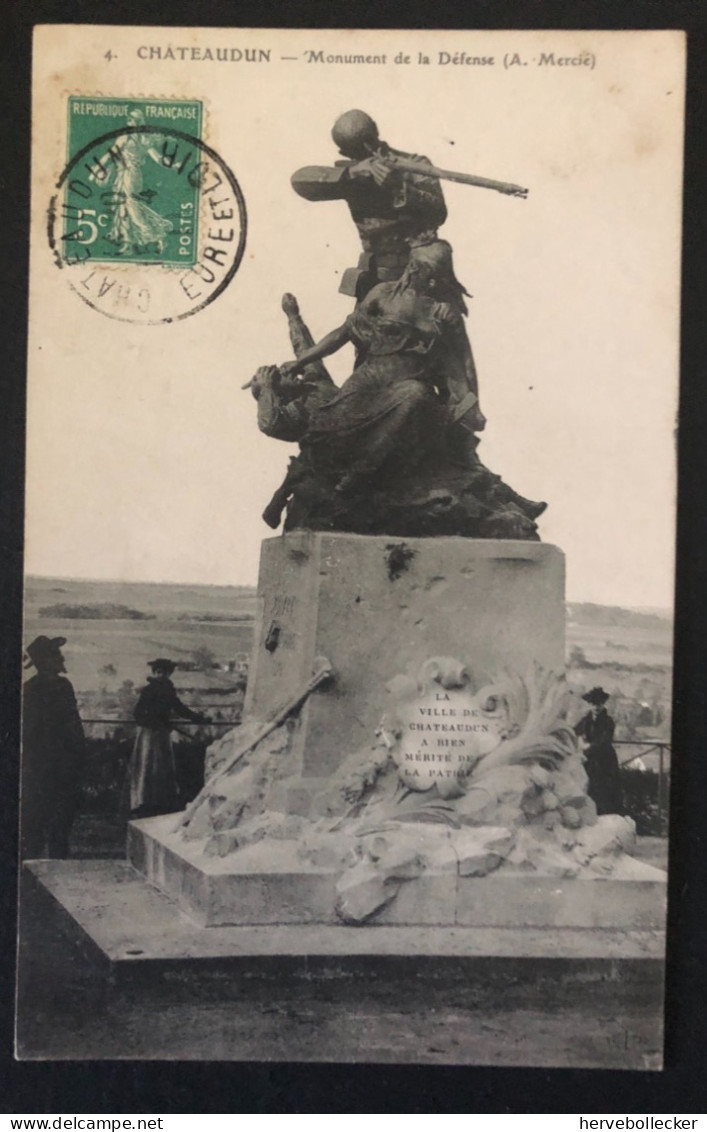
x=464 y=778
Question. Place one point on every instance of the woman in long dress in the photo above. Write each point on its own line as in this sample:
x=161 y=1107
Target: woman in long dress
x=596 y=732
x=153 y=779
x=411 y=353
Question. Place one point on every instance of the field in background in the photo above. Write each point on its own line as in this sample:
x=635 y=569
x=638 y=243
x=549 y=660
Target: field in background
x=184 y=623
x=628 y=652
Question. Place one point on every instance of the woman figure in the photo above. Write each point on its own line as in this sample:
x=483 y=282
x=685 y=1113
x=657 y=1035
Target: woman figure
x=153 y=780
x=411 y=358
x=135 y=224
x=596 y=732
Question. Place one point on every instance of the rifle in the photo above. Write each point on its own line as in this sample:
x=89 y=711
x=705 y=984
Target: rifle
x=322 y=674
x=410 y=166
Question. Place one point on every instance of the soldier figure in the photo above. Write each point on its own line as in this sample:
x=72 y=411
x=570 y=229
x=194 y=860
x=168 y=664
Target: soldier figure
x=389 y=206
x=395 y=209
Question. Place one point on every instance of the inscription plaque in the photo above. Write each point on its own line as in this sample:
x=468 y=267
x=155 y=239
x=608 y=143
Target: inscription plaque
x=443 y=733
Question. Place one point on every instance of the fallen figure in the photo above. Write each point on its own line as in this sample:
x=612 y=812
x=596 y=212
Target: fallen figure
x=388 y=452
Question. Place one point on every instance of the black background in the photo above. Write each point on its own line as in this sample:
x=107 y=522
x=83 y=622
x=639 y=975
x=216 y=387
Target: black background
x=164 y=1087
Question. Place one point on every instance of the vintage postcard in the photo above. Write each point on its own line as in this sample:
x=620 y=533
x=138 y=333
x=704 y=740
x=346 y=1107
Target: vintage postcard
x=353 y=373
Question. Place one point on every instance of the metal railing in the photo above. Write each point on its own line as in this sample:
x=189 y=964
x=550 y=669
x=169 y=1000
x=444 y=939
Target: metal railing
x=109 y=743
x=99 y=828
x=651 y=747
x=178 y=725
x=182 y=722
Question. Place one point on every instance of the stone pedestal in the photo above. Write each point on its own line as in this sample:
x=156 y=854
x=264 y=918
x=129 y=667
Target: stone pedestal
x=496 y=852
x=377 y=607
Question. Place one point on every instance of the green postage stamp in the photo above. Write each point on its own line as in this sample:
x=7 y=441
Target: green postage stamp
x=142 y=211
x=148 y=223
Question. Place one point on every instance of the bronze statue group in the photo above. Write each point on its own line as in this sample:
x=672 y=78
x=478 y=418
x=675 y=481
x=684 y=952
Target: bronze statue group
x=393 y=450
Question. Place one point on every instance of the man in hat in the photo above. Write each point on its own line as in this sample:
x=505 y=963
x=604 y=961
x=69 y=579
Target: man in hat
x=388 y=206
x=596 y=733
x=153 y=779
x=53 y=750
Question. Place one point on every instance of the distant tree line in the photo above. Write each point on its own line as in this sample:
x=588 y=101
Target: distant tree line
x=217 y=617
x=588 y=613
x=100 y=611
x=578 y=659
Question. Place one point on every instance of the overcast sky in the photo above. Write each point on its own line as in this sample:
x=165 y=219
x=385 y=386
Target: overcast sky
x=144 y=459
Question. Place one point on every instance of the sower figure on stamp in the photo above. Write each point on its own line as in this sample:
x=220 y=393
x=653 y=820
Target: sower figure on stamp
x=135 y=226
x=53 y=752
x=596 y=733
x=152 y=775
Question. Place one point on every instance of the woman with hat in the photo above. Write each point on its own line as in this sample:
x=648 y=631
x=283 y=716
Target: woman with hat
x=153 y=780
x=411 y=358
x=596 y=733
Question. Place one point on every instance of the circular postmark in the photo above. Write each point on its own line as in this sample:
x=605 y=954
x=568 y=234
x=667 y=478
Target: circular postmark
x=148 y=224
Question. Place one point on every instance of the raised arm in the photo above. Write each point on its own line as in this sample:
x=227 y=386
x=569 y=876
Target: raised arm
x=181 y=710
x=329 y=344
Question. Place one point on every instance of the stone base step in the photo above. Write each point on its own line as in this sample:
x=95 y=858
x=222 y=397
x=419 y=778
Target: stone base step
x=129 y=922
x=109 y=968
